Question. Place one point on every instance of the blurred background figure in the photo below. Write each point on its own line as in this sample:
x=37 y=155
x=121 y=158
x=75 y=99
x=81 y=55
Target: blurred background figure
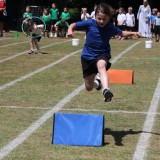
x=143 y=16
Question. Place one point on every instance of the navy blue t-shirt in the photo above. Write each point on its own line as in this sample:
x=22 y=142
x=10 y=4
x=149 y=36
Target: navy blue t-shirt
x=97 y=38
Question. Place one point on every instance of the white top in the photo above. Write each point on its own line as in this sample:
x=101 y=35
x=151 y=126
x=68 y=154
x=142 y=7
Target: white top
x=130 y=19
x=121 y=18
x=85 y=16
x=37 y=29
x=93 y=15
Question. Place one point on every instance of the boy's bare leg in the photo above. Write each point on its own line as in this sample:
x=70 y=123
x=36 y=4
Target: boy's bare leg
x=89 y=82
x=37 y=45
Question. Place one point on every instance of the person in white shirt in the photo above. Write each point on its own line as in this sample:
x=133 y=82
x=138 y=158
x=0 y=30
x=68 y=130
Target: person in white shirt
x=93 y=13
x=130 y=20
x=121 y=21
x=85 y=15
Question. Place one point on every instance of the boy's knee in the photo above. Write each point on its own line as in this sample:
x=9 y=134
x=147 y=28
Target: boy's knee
x=89 y=88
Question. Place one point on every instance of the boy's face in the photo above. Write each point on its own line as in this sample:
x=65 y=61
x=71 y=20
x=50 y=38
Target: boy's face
x=65 y=9
x=102 y=19
x=120 y=11
x=129 y=11
x=53 y=6
x=158 y=15
x=27 y=9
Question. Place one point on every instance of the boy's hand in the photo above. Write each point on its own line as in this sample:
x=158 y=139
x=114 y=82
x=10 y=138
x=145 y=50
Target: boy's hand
x=70 y=34
x=138 y=34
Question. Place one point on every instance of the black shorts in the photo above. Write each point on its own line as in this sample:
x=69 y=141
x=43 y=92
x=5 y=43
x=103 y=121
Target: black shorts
x=123 y=27
x=48 y=26
x=36 y=37
x=1 y=17
x=128 y=28
x=89 y=67
x=157 y=30
x=54 y=21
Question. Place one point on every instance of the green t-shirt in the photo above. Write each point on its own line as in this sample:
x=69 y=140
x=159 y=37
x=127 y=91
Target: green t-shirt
x=27 y=15
x=54 y=13
x=61 y=25
x=65 y=15
x=46 y=18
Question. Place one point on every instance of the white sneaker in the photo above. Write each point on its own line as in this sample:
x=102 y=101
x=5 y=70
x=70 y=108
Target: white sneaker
x=55 y=35
x=51 y=35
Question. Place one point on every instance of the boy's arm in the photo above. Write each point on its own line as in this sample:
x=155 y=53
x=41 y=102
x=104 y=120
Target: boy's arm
x=127 y=33
x=70 y=32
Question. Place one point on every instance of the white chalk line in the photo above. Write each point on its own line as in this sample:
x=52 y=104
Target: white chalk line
x=25 y=52
x=79 y=109
x=13 y=44
x=25 y=134
x=143 y=58
x=37 y=71
x=144 y=139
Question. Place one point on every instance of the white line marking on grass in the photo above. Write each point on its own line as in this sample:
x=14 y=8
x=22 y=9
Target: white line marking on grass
x=25 y=134
x=25 y=52
x=143 y=143
x=37 y=71
x=80 y=109
x=13 y=44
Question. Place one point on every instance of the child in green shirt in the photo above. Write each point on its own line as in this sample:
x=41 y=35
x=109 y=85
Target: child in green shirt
x=47 y=20
x=65 y=14
x=26 y=16
x=54 y=15
x=61 y=26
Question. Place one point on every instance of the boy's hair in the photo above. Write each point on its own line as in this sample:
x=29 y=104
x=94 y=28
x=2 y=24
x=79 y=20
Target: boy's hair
x=105 y=9
x=130 y=8
x=155 y=10
x=46 y=9
x=28 y=7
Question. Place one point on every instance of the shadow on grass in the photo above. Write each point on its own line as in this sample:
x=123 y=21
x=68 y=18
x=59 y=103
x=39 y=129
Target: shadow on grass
x=119 y=135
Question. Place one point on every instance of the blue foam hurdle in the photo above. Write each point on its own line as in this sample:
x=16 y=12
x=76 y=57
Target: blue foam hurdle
x=78 y=129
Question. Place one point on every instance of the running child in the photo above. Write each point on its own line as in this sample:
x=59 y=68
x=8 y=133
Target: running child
x=96 y=52
x=54 y=11
x=47 y=20
x=37 y=31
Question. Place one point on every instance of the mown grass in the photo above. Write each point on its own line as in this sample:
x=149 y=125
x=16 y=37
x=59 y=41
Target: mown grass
x=45 y=89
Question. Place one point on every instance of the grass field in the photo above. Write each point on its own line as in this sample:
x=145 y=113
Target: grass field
x=31 y=85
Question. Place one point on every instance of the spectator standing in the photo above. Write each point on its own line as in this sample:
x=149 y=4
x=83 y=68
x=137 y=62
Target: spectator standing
x=65 y=14
x=54 y=11
x=47 y=20
x=27 y=15
x=121 y=21
x=130 y=20
x=143 y=16
x=153 y=17
x=2 y=14
x=93 y=12
x=157 y=27
x=85 y=15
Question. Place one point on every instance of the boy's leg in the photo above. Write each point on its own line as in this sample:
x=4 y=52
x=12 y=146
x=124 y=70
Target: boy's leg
x=37 y=45
x=89 y=82
x=101 y=65
x=31 y=46
x=1 y=28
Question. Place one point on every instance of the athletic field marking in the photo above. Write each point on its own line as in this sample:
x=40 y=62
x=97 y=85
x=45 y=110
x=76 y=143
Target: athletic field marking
x=25 y=52
x=153 y=58
x=37 y=71
x=79 y=109
x=143 y=142
x=13 y=44
x=25 y=134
